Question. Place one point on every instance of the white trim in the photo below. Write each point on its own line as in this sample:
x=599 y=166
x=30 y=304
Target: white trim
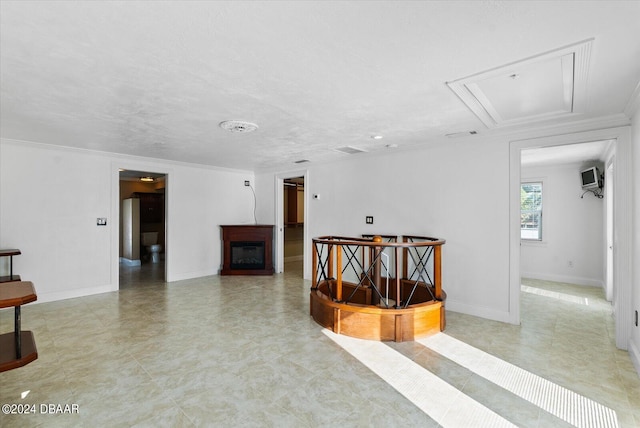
x=622 y=221
x=122 y=156
x=543 y=214
x=577 y=280
x=279 y=220
x=634 y=353
x=135 y=165
x=575 y=90
x=194 y=274
x=634 y=102
x=72 y=294
x=479 y=311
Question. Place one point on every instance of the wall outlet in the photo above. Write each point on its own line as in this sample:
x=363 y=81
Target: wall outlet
x=369 y=219
x=101 y=221
x=246 y=183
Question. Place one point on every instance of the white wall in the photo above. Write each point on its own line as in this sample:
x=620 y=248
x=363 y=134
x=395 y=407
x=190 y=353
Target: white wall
x=199 y=201
x=458 y=191
x=572 y=229
x=51 y=197
x=634 y=344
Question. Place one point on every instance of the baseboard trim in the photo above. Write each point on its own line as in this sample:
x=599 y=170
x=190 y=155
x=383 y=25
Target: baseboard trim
x=480 y=311
x=634 y=353
x=564 y=278
x=53 y=296
x=129 y=262
x=172 y=277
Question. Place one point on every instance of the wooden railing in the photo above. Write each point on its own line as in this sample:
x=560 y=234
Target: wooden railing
x=374 y=270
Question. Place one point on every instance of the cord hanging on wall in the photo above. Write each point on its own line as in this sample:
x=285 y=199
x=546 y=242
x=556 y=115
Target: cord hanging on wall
x=248 y=184
x=597 y=193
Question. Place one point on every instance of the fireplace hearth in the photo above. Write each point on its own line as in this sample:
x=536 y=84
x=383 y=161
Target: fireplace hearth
x=247 y=250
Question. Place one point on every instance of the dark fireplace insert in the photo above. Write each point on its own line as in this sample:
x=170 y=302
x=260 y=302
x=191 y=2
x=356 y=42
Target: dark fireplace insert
x=247 y=255
x=247 y=249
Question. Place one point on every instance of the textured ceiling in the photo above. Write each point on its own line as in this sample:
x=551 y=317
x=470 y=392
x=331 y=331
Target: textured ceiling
x=155 y=79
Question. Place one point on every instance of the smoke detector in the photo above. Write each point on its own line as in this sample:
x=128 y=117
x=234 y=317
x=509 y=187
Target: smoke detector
x=238 y=126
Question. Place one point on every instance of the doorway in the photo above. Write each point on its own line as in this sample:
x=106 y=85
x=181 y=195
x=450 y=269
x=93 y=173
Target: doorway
x=298 y=180
x=293 y=221
x=142 y=232
x=622 y=221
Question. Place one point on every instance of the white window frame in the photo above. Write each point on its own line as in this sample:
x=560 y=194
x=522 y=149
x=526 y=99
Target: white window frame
x=540 y=211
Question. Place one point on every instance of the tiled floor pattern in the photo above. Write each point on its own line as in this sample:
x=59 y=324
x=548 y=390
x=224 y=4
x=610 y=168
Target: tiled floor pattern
x=449 y=407
x=243 y=351
x=558 y=401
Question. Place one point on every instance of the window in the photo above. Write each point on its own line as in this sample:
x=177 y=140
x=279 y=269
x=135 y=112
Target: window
x=531 y=211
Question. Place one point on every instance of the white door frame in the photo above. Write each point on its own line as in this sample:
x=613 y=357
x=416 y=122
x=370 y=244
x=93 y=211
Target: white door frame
x=279 y=216
x=622 y=248
x=115 y=214
x=609 y=192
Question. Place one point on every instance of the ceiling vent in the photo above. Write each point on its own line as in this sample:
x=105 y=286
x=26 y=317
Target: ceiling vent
x=238 y=126
x=349 y=150
x=548 y=86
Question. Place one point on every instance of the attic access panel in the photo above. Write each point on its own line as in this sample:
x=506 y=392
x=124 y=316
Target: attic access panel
x=546 y=86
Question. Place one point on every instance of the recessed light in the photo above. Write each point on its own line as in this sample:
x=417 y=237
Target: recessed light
x=146 y=179
x=377 y=137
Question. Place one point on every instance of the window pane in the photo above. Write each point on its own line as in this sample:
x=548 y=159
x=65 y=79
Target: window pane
x=531 y=211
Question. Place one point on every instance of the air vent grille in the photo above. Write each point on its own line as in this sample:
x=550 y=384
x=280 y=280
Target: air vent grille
x=349 y=150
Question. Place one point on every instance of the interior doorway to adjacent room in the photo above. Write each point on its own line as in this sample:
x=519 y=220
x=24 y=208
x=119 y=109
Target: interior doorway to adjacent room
x=620 y=215
x=142 y=229
x=293 y=224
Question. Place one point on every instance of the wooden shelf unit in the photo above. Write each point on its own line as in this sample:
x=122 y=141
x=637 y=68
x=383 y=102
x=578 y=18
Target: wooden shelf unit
x=11 y=277
x=17 y=348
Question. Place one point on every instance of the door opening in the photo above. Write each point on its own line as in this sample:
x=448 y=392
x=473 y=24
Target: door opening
x=142 y=230
x=293 y=224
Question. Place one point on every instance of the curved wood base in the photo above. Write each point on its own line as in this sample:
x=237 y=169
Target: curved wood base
x=376 y=323
x=8 y=360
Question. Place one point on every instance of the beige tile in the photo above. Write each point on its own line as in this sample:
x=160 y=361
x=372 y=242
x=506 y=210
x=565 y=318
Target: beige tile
x=243 y=351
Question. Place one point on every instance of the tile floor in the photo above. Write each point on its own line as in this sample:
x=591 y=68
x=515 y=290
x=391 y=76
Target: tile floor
x=243 y=351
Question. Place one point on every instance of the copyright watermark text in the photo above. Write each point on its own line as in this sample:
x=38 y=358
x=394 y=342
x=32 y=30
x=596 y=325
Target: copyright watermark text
x=42 y=409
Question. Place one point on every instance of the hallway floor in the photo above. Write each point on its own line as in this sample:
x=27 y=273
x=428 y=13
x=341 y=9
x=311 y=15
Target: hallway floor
x=243 y=351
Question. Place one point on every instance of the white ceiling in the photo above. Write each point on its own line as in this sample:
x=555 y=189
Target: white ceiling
x=155 y=79
x=593 y=151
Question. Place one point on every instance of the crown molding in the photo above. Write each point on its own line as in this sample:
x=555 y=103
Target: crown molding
x=634 y=102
